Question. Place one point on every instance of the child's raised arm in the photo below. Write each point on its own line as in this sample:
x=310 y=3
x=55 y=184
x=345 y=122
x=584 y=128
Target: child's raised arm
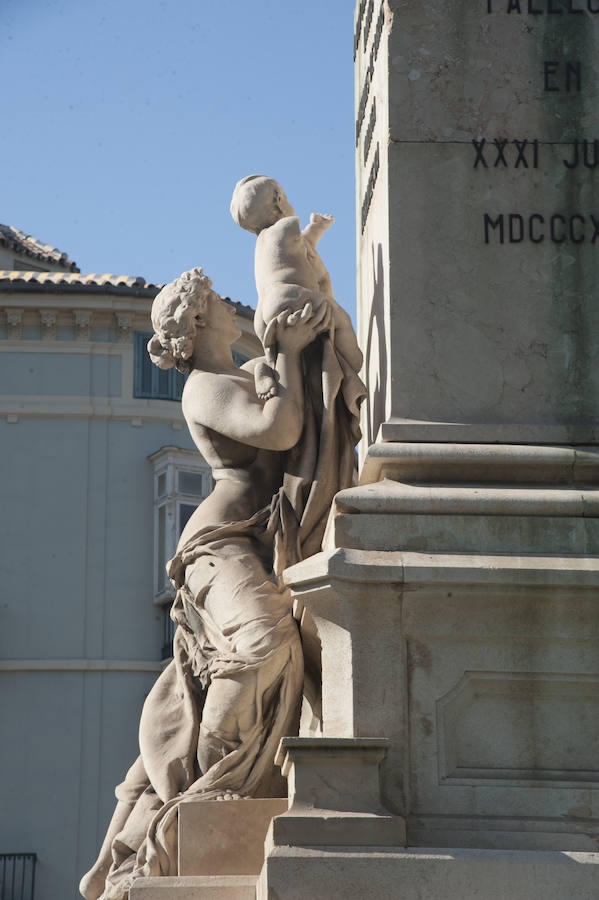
x=319 y=222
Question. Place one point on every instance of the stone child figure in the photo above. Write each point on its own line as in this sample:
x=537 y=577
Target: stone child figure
x=289 y=271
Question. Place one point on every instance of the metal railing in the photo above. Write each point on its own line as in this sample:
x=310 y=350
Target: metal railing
x=17 y=876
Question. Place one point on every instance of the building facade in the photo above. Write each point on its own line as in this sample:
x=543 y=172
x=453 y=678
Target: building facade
x=99 y=477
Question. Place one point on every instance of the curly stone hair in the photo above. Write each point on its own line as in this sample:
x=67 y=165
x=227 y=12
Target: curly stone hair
x=173 y=316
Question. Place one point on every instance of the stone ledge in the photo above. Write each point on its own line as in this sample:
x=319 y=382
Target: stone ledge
x=409 y=569
x=316 y=749
x=398 y=430
x=467 y=533
x=199 y=887
x=392 y=497
x=505 y=833
x=322 y=827
x=294 y=873
x=484 y=463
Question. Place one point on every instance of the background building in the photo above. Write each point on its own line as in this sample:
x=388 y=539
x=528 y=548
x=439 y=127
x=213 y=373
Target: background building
x=99 y=476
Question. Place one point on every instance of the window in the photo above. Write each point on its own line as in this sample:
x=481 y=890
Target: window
x=182 y=478
x=181 y=481
x=149 y=381
x=152 y=383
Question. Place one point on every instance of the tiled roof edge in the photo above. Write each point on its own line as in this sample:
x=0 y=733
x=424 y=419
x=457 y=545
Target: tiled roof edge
x=93 y=283
x=27 y=245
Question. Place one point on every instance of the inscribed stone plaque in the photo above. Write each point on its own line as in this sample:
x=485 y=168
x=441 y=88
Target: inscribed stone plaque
x=477 y=140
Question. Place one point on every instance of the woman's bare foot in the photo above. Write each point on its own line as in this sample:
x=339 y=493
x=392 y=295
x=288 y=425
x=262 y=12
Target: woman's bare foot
x=264 y=380
x=93 y=882
x=230 y=795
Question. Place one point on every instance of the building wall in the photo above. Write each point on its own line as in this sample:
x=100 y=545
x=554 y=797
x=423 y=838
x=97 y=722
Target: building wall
x=80 y=635
x=14 y=257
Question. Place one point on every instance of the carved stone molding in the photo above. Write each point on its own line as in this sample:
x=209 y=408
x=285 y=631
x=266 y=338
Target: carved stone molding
x=124 y=327
x=48 y=319
x=517 y=728
x=83 y=319
x=14 y=323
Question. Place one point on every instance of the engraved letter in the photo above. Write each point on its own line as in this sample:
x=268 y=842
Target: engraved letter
x=574 y=163
x=500 y=146
x=516 y=234
x=521 y=147
x=531 y=234
x=595 y=227
x=514 y=6
x=479 y=147
x=550 y=69
x=494 y=224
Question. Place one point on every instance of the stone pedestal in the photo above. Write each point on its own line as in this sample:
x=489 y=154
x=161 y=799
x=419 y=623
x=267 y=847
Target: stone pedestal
x=334 y=795
x=482 y=671
x=479 y=664
x=226 y=837
x=221 y=851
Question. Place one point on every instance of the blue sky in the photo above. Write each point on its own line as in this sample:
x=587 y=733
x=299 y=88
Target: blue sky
x=126 y=123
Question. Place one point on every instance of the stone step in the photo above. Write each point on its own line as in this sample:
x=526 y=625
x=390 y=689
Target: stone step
x=195 y=887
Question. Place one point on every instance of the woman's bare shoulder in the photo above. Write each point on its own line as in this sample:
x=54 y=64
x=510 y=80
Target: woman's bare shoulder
x=199 y=391
x=207 y=394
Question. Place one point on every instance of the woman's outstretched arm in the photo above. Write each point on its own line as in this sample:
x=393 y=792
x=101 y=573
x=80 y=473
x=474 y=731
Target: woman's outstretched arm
x=225 y=405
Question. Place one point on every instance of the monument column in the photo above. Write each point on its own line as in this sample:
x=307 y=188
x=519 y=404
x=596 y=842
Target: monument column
x=457 y=600
x=477 y=149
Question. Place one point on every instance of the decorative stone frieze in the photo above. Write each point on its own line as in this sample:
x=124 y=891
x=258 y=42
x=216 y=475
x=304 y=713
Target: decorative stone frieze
x=124 y=327
x=14 y=324
x=83 y=319
x=48 y=320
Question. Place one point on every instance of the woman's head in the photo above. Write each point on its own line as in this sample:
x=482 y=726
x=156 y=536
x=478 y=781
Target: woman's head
x=174 y=318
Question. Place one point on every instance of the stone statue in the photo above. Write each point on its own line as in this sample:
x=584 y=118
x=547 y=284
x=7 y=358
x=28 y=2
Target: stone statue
x=212 y=722
x=289 y=271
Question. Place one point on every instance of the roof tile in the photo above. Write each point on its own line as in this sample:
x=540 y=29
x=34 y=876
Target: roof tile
x=27 y=245
x=78 y=282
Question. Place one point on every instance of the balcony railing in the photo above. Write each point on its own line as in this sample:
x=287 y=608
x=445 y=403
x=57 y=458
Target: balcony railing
x=17 y=876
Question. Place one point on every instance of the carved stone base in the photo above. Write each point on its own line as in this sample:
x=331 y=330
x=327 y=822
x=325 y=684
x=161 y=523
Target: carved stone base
x=457 y=610
x=334 y=795
x=482 y=672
